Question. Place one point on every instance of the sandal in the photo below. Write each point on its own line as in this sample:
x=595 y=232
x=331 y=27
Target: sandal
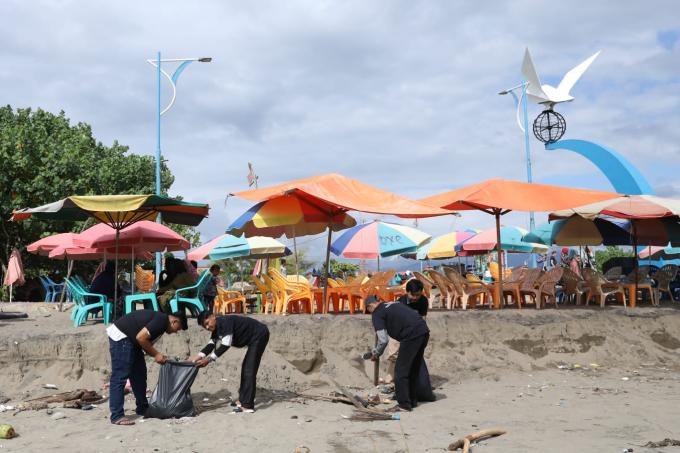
x=124 y=422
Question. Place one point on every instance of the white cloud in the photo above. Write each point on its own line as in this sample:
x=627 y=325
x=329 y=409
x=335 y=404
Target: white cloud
x=401 y=94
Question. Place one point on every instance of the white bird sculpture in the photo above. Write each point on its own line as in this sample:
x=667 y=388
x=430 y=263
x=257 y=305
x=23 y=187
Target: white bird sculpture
x=547 y=94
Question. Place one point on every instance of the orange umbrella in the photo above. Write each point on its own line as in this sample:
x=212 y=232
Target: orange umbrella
x=334 y=194
x=500 y=196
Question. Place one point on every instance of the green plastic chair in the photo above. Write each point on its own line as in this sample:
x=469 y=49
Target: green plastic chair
x=147 y=299
x=194 y=304
x=84 y=308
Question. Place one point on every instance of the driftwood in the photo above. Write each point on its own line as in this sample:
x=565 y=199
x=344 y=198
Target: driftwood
x=465 y=442
x=358 y=401
x=664 y=443
x=332 y=398
x=73 y=400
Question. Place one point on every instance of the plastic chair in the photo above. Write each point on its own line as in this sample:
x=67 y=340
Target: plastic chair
x=144 y=280
x=600 y=287
x=467 y=290
x=267 y=301
x=83 y=308
x=294 y=296
x=664 y=277
x=148 y=300
x=643 y=282
x=573 y=285
x=47 y=287
x=448 y=292
x=183 y=300
x=226 y=300
x=529 y=285
x=546 y=287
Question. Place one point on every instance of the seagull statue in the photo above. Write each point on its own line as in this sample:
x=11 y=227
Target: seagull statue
x=547 y=94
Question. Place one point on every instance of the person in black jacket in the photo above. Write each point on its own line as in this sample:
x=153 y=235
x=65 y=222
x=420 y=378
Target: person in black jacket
x=239 y=332
x=398 y=321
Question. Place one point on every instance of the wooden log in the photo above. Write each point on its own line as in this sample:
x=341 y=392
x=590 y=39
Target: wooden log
x=465 y=442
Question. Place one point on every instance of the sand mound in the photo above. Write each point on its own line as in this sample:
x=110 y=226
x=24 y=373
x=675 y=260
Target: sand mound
x=306 y=351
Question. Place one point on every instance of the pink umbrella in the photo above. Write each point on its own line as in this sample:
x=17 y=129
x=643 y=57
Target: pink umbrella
x=145 y=235
x=15 y=272
x=90 y=253
x=45 y=245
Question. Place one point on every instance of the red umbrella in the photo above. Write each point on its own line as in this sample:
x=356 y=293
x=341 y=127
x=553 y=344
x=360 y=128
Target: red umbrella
x=45 y=245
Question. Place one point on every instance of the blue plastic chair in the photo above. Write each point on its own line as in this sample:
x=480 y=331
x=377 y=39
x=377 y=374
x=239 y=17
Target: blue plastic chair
x=148 y=299
x=84 y=307
x=47 y=287
x=194 y=304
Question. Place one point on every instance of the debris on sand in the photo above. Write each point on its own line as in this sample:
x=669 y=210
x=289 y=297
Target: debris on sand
x=664 y=443
x=465 y=442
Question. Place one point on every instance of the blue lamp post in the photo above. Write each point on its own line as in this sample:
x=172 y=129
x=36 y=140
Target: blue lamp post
x=182 y=65
x=524 y=127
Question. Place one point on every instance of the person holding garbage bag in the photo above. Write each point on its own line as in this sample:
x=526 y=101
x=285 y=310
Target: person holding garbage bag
x=239 y=332
x=129 y=337
x=398 y=321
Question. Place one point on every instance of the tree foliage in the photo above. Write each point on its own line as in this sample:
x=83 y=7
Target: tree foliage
x=43 y=158
x=602 y=256
x=343 y=268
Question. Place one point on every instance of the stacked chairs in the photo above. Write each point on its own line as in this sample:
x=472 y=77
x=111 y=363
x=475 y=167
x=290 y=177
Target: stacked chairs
x=572 y=286
x=528 y=286
x=545 y=287
x=290 y=296
x=467 y=291
x=428 y=287
x=267 y=298
x=448 y=293
x=664 y=277
x=52 y=289
x=599 y=287
x=229 y=302
x=339 y=294
x=87 y=304
x=144 y=280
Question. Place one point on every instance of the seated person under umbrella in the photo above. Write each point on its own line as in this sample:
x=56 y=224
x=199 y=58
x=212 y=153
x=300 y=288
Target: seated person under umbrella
x=173 y=277
x=105 y=282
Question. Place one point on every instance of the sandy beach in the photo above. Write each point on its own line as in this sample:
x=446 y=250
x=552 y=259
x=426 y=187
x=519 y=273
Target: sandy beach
x=575 y=379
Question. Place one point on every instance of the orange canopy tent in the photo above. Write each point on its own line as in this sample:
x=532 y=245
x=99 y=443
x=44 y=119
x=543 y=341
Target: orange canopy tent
x=500 y=196
x=335 y=194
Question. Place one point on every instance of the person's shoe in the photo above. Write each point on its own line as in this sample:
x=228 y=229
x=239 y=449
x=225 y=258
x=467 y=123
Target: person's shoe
x=244 y=410
x=399 y=408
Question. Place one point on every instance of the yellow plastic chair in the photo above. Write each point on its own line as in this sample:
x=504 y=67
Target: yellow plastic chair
x=229 y=302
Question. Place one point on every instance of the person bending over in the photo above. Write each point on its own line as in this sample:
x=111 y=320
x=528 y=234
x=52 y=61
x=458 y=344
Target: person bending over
x=129 y=337
x=239 y=332
x=396 y=320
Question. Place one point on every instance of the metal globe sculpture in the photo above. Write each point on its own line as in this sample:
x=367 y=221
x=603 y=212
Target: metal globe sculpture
x=549 y=126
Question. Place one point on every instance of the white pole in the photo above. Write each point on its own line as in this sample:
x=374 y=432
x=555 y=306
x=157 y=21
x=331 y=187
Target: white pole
x=10 y=292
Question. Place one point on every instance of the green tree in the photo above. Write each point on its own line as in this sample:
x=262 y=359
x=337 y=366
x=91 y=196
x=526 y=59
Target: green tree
x=340 y=267
x=43 y=158
x=602 y=256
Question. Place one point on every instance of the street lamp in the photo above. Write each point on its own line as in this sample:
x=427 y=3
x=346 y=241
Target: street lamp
x=523 y=125
x=182 y=65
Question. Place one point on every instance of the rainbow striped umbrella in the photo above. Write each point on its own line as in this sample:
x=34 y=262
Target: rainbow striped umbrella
x=511 y=240
x=289 y=216
x=443 y=246
x=228 y=246
x=378 y=239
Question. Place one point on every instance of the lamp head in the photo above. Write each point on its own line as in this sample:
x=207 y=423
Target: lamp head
x=205 y=59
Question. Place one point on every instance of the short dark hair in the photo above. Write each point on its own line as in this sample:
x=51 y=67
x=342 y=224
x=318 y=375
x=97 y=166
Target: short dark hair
x=182 y=319
x=414 y=285
x=202 y=316
x=215 y=266
x=194 y=263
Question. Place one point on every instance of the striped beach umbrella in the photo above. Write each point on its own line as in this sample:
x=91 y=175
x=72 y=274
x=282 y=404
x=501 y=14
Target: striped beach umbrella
x=227 y=246
x=378 y=239
x=444 y=246
x=511 y=241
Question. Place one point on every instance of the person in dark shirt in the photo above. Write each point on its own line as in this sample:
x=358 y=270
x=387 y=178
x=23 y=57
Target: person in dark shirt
x=239 y=332
x=415 y=298
x=129 y=337
x=396 y=320
x=105 y=282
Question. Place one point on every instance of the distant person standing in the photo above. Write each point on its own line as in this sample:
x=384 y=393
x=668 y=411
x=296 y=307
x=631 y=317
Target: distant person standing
x=588 y=258
x=210 y=291
x=282 y=268
x=552 y=261
x=565 y=259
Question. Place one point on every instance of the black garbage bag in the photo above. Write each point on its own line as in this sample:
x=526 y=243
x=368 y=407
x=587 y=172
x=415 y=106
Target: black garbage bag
x=172 y=396
x=424 y=388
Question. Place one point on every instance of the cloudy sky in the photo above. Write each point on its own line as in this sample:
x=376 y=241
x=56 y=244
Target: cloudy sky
x=399 y=94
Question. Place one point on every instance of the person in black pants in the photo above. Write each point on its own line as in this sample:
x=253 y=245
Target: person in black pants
x=239 y=332
x=397 y=320
x=129 y=337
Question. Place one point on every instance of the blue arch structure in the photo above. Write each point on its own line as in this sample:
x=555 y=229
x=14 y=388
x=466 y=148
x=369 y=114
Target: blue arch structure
x=619 y=171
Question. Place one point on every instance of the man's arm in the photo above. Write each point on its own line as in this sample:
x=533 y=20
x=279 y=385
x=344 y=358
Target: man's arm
x=381 y=343
x=144 y=340
x=212 y=351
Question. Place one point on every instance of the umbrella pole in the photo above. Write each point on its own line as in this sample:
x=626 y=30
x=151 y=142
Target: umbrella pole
x=378 y=261
x=637 y=264
x=10 y=292
x=328 y=265
x=297 y=270
x=132 y=271
x=498 y=290
x=69 y=269
x=115 y=279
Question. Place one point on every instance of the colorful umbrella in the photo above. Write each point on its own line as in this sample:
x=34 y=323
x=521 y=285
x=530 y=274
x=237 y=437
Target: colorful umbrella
x=228 y=246
x=45 y=245
x=78 y=253
x=511 y=241
x=378 y=239
x=579 y=231
x=117 y=211
x=443 y=246
x=660 y=253
x=289 y=216
x=625 y=207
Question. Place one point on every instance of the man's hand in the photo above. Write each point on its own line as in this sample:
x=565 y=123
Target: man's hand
x=194 y=358
x=374 y=358
x=202 y=362
x=160 y=358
